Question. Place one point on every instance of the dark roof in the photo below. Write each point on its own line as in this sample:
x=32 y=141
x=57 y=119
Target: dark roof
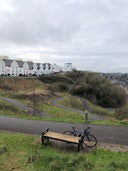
x=20 y=63
x=8 y=62
x=49 y=65
x=38 y=65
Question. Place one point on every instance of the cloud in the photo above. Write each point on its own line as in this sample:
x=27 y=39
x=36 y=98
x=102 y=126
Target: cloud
x=90 y=34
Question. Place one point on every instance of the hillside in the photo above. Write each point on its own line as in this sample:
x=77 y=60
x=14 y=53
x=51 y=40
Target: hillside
x=38 y=92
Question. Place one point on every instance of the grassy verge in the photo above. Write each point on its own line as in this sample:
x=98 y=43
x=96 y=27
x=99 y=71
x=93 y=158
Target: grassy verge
x=54 y=113
x=109 y=122
x=60 y=115
x=75 y=102
x=7 y=109
x=17 y=153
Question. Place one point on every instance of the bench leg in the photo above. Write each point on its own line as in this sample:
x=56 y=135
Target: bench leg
x=80 y=144
x=80 y=147
x=44 y=140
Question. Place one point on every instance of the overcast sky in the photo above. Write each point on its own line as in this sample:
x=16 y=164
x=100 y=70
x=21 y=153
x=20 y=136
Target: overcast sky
x=91 y=34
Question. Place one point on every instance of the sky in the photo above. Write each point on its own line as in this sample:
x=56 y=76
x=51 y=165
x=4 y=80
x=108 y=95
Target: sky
x=91 y=34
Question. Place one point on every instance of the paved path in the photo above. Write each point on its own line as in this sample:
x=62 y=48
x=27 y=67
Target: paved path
x=103 y=133
x=26 y=108
x=53 y=102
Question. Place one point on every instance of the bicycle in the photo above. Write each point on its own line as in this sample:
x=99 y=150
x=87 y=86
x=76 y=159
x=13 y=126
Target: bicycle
x=88 y=139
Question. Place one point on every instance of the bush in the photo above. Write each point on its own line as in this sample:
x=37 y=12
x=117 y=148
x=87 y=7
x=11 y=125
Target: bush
x=54 y=78
x=122 y=113
x=63 y=87
x=98 y=89
x=78 y=90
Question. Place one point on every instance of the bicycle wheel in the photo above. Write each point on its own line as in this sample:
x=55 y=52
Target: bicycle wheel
x=90 y=140
x=68 y=133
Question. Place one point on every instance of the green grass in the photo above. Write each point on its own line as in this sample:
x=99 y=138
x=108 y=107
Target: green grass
x=17 y=153
x=100 y=110
x=54 y=113
x=109 y=122
x=10 y=110
x=73 y=102
x=60 y=115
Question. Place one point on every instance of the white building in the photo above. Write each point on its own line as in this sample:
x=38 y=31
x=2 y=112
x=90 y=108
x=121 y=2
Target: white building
x=56 y=68
x=67 y=67
x=2 y=67
x=23 y=68
x=19 y=68
x=11 y=67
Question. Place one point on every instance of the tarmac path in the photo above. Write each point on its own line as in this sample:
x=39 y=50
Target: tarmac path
x=22 y=106
x=54 y=102
x=103 y=133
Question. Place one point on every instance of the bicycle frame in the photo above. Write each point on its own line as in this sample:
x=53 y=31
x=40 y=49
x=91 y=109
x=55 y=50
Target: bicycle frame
x=80 y=132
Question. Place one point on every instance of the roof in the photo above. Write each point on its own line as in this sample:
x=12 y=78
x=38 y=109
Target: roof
x=20 y=63
x=8 y=62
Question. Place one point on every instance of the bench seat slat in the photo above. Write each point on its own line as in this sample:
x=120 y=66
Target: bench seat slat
x=61 y=137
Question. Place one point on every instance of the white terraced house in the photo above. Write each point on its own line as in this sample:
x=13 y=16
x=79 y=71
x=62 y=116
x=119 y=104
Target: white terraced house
x=11 y=67
x=23 y=68
x=27 y=68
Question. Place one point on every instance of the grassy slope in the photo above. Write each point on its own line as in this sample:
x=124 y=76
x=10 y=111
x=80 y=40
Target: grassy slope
x=23 y=89
x=17 y=153
x=74 y=102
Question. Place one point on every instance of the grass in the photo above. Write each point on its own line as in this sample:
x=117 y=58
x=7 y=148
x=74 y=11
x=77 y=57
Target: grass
x=100 y=110
x=60 y=115
x=75 y=102
x=7 y=109
x=22 y=89
x=54 y=113
x=109 y=122
x=71 y=101
x=17 y=153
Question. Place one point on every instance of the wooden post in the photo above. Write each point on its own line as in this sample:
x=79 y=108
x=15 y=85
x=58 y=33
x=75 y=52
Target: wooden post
x=86 y=115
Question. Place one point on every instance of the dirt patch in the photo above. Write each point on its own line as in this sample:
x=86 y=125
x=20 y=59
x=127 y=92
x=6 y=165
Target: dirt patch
x=113 y=147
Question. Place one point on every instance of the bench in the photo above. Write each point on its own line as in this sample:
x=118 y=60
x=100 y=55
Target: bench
x=46 y=135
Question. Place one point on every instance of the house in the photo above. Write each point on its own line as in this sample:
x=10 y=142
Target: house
x=11 y=67
x=27 y=68
x=2 y=67
x=67 y=67
x=40 y=69
x=47 y=68
x=23 y=68
x=30 y=67
x=56 y=68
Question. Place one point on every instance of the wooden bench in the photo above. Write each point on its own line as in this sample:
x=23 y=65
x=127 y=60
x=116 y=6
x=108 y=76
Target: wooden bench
x=46 y=135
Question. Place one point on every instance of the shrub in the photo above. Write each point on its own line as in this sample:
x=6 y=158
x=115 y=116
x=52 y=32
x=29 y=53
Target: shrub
x=63 y=87
x=54 y=78
x=122 y=113
x=98 y=89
